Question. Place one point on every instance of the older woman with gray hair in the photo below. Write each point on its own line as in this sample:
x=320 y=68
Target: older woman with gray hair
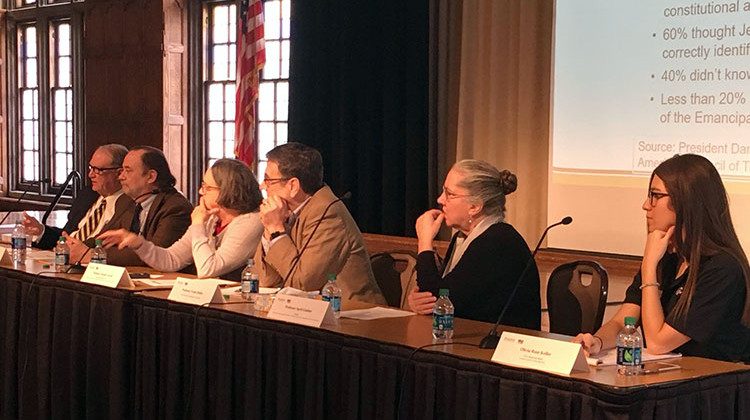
x=225 y=229
x=486 y=256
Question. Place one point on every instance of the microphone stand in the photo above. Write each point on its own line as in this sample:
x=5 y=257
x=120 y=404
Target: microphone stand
x=73 y=174
x=77 y=268
x=491 y=339
x=23 y=194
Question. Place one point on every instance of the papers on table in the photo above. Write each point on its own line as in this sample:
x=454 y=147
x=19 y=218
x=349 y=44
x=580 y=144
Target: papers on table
x=609 y=357
x=261 y=290
x=170 y=282
x=375 y=313
x=40 y=254
x=291 y=291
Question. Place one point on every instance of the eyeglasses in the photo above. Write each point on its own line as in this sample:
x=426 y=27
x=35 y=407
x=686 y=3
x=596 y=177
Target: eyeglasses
x=100 y=171
x=451 y=195
x=205 y=187
x=269 y=181
x=654 y=196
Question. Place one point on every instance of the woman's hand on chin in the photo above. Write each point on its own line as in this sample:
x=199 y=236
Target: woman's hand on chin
x=657 y=243
x=427 y=227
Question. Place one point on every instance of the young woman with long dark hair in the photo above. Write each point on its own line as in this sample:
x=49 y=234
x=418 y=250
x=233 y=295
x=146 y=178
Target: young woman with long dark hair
x=692 y=294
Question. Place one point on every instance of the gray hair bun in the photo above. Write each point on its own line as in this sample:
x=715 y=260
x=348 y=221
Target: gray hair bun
x=508 y=181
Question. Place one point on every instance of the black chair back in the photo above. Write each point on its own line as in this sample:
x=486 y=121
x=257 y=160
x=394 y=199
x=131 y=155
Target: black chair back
x=577 y=297
x=395 y=274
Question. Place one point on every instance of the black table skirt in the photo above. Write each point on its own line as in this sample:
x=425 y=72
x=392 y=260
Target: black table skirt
x=92 y=352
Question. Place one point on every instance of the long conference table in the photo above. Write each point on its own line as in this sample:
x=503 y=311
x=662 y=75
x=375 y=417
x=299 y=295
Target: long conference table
x=74 y=350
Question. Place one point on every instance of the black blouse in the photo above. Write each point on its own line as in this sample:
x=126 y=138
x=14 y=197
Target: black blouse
x=713 y=319
x=482 y=280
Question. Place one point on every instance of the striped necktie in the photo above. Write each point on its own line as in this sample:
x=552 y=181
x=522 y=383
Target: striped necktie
x=91 y=223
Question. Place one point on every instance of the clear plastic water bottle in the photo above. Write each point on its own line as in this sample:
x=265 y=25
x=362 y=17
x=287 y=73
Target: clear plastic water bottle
x=629 y=346
x=18 y=244
x=442 y=317
x=249 y=282
x=332 y=294
x=62 y=256
x=99 y=254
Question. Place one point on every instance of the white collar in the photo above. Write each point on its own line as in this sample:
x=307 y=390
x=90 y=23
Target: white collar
x=461 y=244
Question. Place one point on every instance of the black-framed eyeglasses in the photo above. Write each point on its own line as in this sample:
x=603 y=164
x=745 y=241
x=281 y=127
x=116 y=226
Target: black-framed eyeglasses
x=269 y=181
x=654 y=196
x=97 y=170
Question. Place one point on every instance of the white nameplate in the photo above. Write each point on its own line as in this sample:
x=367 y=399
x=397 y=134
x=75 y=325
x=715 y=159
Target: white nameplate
x=196 y=291
x=5 y=256
x=301 y=310
x=107 y=275
x=539 y=353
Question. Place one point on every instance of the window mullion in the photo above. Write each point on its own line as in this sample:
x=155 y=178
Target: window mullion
x=45 y=146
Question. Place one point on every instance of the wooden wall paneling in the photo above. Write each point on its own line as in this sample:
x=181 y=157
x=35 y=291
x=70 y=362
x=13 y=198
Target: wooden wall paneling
x=175 y=65
x=4 y=155
x=123 y=73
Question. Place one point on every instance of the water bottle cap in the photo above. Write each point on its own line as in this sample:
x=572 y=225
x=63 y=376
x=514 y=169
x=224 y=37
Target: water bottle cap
x=445 y=292
x=629 y=320
x=331 y=276
x=98 y=242
x=251 y=261
x=61 y=239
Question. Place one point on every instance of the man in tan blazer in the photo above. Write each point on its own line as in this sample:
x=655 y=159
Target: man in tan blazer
x=308 y=231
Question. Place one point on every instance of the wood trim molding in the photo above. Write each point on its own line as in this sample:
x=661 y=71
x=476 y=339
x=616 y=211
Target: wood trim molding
x=547 y=259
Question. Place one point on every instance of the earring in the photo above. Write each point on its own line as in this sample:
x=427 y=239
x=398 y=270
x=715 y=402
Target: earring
x=470 y=221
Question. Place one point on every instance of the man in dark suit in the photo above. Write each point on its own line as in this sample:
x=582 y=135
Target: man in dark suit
x=96 y=208
x=161 y=214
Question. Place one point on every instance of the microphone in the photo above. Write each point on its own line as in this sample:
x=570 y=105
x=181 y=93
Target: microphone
x=73 y=174
x=491 y=339
x=346 y=196
x=23 y=194
x=77 y=268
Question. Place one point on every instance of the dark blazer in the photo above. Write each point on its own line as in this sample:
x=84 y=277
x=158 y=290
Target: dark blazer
x=86 y=198
x=168 y=219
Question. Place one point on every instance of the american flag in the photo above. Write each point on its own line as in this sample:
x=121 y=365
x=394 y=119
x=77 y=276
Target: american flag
x=251 y=56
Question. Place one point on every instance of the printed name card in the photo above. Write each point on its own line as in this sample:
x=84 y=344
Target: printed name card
x=539 y=353
x=5 y=257
x=196 y=291
x=301 y=310
x=107 y=275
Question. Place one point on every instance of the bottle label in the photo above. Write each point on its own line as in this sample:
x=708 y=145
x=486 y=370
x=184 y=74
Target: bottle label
x=18 y=243
x=628 y=356
x=249 y=285
x=442 y=322
x=62 y=259
x=335 y=302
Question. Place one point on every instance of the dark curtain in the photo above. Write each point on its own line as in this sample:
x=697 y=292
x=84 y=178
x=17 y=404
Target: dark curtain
x=359 y=80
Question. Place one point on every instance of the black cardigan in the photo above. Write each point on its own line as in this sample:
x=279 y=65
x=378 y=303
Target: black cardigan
x=484 y=277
